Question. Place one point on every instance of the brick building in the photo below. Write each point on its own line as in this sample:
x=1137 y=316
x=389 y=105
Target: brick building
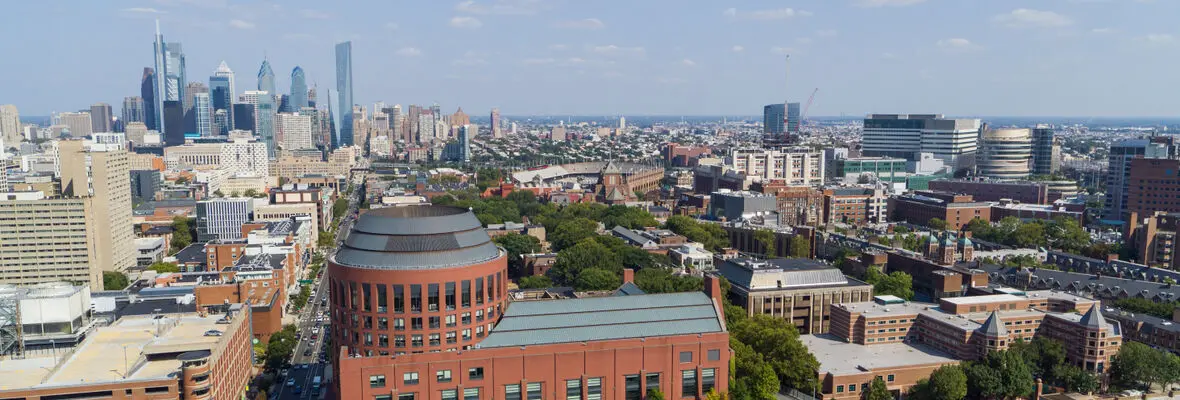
x=995 y=190
x=854 y=206
x=922 y=206
x=1151 y=186
x=797 y=205
x=1153 y=237
x=676 y=155
x=799 y=290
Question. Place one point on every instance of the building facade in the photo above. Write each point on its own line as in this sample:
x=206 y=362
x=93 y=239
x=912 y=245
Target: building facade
x=995 y=190
x=223 y=218
x=795 y=166
x=344 y=94
x=1119 y=172
x=801 y=291
x=921 y=206
x=904 y=136
x=46 y=240
x=1046 y=151
x=1005 y=154
x=102 y=174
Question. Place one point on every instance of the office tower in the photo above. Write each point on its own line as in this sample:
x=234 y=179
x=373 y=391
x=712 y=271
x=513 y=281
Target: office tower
x=46 y=240
x=223 y=218
x=294 y=131
x=324 y=122
x=284 y=103
x=792 y=118
x=101 y=173
x=465 y=132
x=245 y=157
x=101 y=118
x=201 y=114
x=1046 y=153
x=173 y=123
x=311 y=98
x=298 y=89
x=1118 y=174
x=425 y=126
x=191 y=89
x=773 y=118
x=158 y=79
x=495 y=121
x=1005 y=153
x=396 y=119
x=460 y=118
x=266 y=78
x=221 y=123
x=135 y=132
x=147 y=91
x=904 y=136
x=175 y=73
x=133 y=110
x=221 y=91
x=78 y=123
x=144 y=185
x=264 y=113
x=10 y=128
x=344 y=92
x=244 y=117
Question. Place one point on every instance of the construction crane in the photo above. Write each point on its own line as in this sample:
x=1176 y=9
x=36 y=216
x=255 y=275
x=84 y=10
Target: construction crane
x=803 y=117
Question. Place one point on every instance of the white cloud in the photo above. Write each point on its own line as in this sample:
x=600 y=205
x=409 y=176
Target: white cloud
x=465 y=23
x=1158 y=38
x=314 y=14
x=611 y=49
x=501 y=7
x=737 y=49
x=588 y=23
x=826 y=33
x=688 y=63
x=537 y=61
x=956 y=45
x=408 y=52
x=765 y=15
x=391 y=26
x=888 y=3
x=240 y=24
x=1026 y=18
x=143 y=10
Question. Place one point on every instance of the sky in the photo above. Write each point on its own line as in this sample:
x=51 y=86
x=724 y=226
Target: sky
x=632 y=57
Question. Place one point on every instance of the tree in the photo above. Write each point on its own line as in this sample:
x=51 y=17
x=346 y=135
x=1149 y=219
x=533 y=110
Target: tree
x=1075 y=379
x=585 y=255
x=339 y=208
x=711 y=235
x=948 y=382
x=182 y=233
x=235 y=194
x=1140 y=365
x=766 y=237
x=1067 y=234
x=114 y=280
x=597 y=279
x=1162 y=309
x=1001 y=375
x=800 y=247
x=936 y=224
x=713 y=395
x=901 y=229
x=516 y=245
x=218 y=193
x=251 y=193
x=570 y=232
x=878 y=390
x=628 y=217
x=655 y=394
x=897 y=283
x=163 y=267
x=779 y=343
x=751 y=377
x=535 y=282
x=280 y=347
x=661 y=280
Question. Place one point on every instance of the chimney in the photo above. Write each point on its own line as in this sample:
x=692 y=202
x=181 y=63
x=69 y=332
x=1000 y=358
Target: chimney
x=713 y=288
x=628 y=275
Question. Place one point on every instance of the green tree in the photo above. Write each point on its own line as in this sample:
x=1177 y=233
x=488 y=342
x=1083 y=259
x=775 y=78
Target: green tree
x=711 y=235
x=1075 y=379
x=1000 y=375
x=570 y=232
x=661 y=280
x=980 y=228
x=766 y=238
x=516 y=245
x=114 y=280
x=800 y=247
x=936 y=224
x=218 y=193
x=779 y=343
x=1144 y=306
x=751 y=377
x=535 y=282
x=628 y=217
x=1138 y=365
x=251 y=193
x=299 y=300
x=525 y=201
x=182 y=233
x=163 y=267
x=339 y=207
x=597 y=279
x=878 y=390
x=1042 y=355
x=1067 y=234
x=713 y=395
x=948 y=382
x=585 y=255
x=897 y=283
x=280 y=347
x=655 y=394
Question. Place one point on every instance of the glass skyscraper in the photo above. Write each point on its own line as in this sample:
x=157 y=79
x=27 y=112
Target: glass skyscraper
x=266 y=78
x=147 y=90
x=344 y=91
x=772 y=119
x=133 y=110
x=221 y=90
x=203 y=113
x=298 y=90
x=265 y=110
x=174 y=72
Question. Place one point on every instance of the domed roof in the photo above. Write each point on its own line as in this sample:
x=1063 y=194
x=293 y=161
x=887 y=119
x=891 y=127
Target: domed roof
x=416 y=237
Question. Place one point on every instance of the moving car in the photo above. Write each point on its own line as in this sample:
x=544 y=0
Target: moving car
x=291 y=382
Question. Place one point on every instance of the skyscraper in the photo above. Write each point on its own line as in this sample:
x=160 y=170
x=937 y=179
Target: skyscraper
x=78 y=123
x=905 y=136
x=133 y=110
x=101 y=173
x=1046 y=151
x=465 y=143
x=264 y=113
x=298 y=90
x=496 y=129
x=190 y=110
x=1005 y=153
x=175 y=72
x=203 y=114
x=344 y=92
x=266 y=78
x=10 y=129
x=147 y=90
x=295 y=131
x=100 y=118
x=221 y=91
x=157 y=77
x=396 y=122
x=792 y=118
x=773 y=118
x=221 y=123
x=1118 y=175
x=173 y=123
x=244 y=117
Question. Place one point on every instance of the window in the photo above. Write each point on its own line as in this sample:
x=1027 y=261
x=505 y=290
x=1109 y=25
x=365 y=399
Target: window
x=840 y=389
x=432 y=297
x=466 y=293
x=383 y=340
x=368 y=339
x=479 y=315
x=416 y=340
x=511 y=392
x=376 y=381
x=443 y=376
x=435 y=339
x=435 y=322
x=631 y=388
x=653 y=381
x=450 y=394
x=368 y=322
x=533 y=391
x=399 y=341
x=686 y=356
x=708 y=379
x=367 y=292
x=573 y=389
x=466 y=318
x=416 y=323
x=451 y=321
x=450 y=287
x=466 y=334
x=852 y=387
x=714 y=355
x=399 y=299
x=475 y=373
x=593 y=388
x=410 y=378
x=479 y=331
x=382 y=322
x=399 y=324
x=407 y=396
x=471 y=394
x=491 y=287
x=889 y=378
x=352 y=295
x=452 y=337
x=688 y=383
x=382 y=301
x=478 y=290
x=416 y=298
x=383 y=397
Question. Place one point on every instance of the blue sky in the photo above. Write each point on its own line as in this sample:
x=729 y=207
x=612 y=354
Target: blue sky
x=589 y=57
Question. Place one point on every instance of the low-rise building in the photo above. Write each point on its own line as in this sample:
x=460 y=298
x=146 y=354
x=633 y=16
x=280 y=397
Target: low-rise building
x=995 y=190
x=854 y=206
x=692 y=258
x=920 y=207
x=529 y=229
x=800 y=291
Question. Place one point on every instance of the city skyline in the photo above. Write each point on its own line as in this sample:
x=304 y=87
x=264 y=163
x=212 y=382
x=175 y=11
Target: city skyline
x=526 y=56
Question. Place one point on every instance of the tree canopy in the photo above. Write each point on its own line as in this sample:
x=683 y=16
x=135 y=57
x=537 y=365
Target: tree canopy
x=570 y=232
x=182 y=233
x=777 y=341
x=586 y=254
x=114 y=280
x=163 y=267
x=896 y=283
x=1059 y=233
x=1139 y=365
x=1000 y=375
x=878 y=390
x=751 y=378
x=712 y=236
x=516 y=244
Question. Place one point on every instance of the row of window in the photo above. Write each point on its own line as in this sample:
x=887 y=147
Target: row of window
x=634 y=389
x=399 y=341
x=863 y=386
x=437 y=296
x=416 y=323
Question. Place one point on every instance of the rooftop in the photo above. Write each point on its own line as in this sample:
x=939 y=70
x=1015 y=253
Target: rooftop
x=416 y=237
x=783 y=273
x=604 y=318
x=840 y=358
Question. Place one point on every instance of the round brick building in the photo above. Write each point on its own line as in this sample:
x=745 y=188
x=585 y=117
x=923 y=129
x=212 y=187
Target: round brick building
x=416 y=279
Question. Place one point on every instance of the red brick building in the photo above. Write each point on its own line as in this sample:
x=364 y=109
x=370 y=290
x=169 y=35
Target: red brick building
x=1152 y=185
x=676 y=155
x=993 y=190
x=922 y=206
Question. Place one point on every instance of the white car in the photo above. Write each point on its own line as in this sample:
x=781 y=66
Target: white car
x=315 y=330
x=291 y=382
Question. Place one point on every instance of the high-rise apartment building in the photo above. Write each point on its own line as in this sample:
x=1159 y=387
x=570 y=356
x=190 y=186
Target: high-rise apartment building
x=101 y=118
x=1118 y=175
x=465 y=133
x=101 y=172
x=294 y=131
x=954 y=141
x=78 y=123
x=773 y=120
x=1046 y=152
x=147 y=91
x=794 y=166
x=496 y=124
x=1005 y=153
x=133 y=110
x=344 y=92
x=298 y=90
x=10 y=128
x=135 y=132
x=47 y=240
